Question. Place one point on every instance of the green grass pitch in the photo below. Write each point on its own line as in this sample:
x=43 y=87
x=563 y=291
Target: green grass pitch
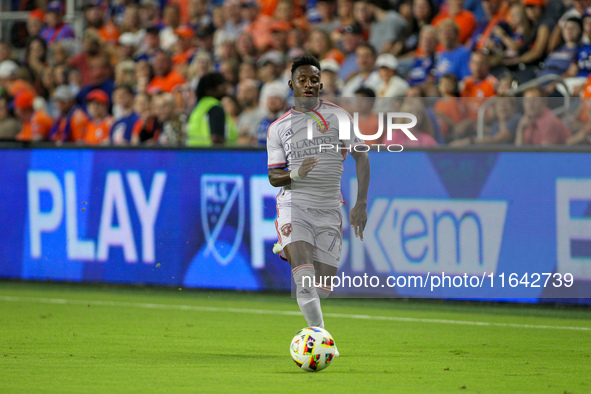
x=60 y=338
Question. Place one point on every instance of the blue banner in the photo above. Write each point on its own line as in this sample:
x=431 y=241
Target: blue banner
x=448 y=224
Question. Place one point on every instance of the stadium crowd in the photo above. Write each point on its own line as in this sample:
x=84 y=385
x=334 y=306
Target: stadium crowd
x=199 y=72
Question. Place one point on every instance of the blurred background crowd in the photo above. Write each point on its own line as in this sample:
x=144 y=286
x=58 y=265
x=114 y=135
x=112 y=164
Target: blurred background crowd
x=199 y=72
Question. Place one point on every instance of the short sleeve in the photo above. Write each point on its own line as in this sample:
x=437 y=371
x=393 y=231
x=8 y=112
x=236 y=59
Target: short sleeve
x=275 y=152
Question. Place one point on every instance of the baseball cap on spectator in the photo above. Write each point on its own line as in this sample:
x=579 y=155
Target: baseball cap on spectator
x=24 y=100
x=7 y=68
x=63 y=93
x=37 y=14
x=55 y=6
x=274 y=57
x=185 y=31
x=280 y=26
x=354 y=28
x=98 y=96
x=535 y=3
x=129 y=40
x=330 y=65
x=576 y=19
x=387 y=60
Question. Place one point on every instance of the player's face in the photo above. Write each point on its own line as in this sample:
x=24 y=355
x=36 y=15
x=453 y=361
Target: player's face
x=306 y=82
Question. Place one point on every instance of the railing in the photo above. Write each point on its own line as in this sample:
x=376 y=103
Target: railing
x=565 y=107
x=72 y=16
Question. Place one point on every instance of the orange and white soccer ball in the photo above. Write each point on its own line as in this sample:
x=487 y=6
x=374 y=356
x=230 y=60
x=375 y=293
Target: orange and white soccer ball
x=312 y=349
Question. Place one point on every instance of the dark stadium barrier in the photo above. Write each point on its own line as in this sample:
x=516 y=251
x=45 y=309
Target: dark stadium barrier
x=205 y=219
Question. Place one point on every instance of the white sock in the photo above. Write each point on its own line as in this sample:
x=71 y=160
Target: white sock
x=303 y=276
x=323 y=292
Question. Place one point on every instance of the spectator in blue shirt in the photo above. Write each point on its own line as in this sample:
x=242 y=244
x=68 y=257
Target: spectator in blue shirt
x=423 y=68
x=56 y=30
x=454 y=58
x=122 y=129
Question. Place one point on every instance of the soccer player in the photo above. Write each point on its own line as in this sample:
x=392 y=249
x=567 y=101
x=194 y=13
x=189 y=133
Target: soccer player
x=309 y=203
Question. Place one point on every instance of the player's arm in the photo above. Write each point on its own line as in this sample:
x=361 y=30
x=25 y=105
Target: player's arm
x=358 y=215
x=281 y=177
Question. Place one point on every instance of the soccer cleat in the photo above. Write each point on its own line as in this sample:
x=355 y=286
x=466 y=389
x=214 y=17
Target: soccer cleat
x=336 y=352
x=277 y=248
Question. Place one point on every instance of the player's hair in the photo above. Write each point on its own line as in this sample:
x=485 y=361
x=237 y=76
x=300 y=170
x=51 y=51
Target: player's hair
x=305 y=61
x=209 y=81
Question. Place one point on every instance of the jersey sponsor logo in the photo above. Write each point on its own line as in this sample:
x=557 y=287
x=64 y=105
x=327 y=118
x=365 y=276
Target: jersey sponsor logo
x=222 y=195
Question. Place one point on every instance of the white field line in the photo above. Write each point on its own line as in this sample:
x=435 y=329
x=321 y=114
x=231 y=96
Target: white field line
x=63 y=301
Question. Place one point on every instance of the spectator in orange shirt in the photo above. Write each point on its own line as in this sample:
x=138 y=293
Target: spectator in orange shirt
x=99 y=125
x=580 y=125
x=258 y=24
x=479 y=85
x=539 y=126
x=464 y=18
x=476 y=88
x=165 y=78
x=36 y=124
x=70 y=126
x=184 y=49
x=279 y=35
x=94 y=14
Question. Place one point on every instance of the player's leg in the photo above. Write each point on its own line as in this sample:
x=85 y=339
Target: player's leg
x=327 y=252
x=324 y=275
x=300 y=257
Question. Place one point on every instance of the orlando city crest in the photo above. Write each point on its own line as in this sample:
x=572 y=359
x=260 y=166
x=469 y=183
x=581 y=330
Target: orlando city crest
x=222 y=215
x=323 y=127
x=286 y=229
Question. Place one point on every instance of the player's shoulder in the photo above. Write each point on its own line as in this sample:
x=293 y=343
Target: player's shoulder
x=281 y=124
x=330 y=107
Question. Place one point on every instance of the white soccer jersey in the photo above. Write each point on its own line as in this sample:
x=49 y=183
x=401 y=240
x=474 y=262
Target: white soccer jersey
x=288 y=145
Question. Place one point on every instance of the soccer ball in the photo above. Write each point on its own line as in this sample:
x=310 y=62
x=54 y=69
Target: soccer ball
x=312 y=349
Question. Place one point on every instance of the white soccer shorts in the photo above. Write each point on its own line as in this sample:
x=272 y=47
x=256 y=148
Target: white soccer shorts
x=319 y=227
